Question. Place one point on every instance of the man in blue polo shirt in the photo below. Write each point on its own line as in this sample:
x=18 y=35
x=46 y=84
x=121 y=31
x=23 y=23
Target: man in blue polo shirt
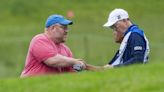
x=134 y=46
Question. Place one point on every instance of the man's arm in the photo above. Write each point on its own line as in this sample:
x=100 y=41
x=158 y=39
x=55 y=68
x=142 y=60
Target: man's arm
x=93 y=68
x=63 y=61
x=138 y=58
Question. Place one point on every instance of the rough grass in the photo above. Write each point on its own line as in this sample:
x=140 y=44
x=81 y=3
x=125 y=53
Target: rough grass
x=138 y=78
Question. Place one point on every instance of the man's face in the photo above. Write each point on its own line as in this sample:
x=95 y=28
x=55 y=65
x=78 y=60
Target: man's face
x=118 y=31
x=59 y=33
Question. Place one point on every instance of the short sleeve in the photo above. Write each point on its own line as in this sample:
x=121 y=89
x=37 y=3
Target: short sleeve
x=42 y=50
x=138 y=44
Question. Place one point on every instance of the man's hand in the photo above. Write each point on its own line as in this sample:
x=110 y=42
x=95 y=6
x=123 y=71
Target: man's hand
x=108 y=66
x=79 y=64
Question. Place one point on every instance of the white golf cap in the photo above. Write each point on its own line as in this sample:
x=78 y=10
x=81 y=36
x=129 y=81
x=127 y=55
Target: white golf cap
x=115 y=16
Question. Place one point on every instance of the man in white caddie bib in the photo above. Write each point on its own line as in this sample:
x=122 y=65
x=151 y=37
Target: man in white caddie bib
x=134 y=46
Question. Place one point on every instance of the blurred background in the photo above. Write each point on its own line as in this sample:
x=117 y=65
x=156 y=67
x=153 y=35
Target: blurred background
x=20 y=20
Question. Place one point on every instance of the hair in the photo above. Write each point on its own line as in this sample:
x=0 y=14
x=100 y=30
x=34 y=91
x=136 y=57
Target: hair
x=126 y=19
x=46 y=29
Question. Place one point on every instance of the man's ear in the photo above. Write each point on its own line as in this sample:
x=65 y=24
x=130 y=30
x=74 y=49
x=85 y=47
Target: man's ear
x=124 y=20
x=52 y=27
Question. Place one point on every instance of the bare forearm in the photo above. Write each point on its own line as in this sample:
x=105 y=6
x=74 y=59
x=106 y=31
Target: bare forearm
x=60 y=61
x=93 y=68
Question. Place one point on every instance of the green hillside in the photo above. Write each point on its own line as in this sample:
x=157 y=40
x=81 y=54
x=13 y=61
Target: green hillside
x=139 y=78
x=22 y=19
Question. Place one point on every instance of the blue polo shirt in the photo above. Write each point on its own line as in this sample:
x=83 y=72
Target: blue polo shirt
x=135 y=49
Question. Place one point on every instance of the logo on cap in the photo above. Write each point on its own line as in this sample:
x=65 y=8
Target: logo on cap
x=119 y=17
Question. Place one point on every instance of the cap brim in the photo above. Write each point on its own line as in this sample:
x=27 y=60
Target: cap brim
x=66 y=22
x=108 y=24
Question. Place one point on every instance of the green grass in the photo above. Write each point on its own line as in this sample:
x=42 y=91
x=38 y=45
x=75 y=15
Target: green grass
x=138 y=78
x=22 y=19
